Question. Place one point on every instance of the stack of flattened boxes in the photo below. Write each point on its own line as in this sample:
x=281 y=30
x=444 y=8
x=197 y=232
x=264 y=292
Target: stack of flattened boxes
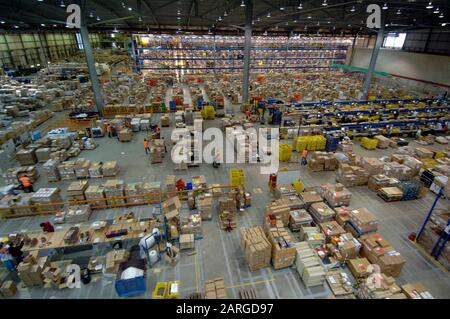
x=204 y=205
x=257 y=249
x=215 y=289
x=361 y=222
x=283 y=251
x=132 y=189
x=321 y=212
x=379 y=251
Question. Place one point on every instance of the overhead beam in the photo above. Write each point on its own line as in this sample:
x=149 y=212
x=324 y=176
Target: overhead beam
x=373 y=62
x=247 y=49
x=152 y=12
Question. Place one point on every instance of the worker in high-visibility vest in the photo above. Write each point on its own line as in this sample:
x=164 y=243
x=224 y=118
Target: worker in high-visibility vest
x=146 y=146
x=304 y=155
x=26 y=184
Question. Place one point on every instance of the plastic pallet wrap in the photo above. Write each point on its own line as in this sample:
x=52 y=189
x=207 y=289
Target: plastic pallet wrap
x=410 y=190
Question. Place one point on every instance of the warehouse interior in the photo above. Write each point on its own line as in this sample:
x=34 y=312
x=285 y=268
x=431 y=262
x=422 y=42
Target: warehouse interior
x=110 y=188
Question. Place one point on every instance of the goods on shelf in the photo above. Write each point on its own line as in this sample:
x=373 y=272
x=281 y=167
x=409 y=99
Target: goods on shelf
x=335 y=194
x=257 y=248
x=369 y=143
x=110 y=169
x=67 y=170
x=81 y=168
x=308 y=265
x=75 y=190
x=95 y=192
x=113 y=189
x=361 y=221
x=48 y=196
x=322 y=161
x=379 y=251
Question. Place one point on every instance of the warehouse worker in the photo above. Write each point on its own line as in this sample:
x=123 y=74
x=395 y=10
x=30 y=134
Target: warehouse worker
x=158 y=132
x=146 y=146
x=47 y=227
x=26 y=184
x=109 y=130
x=16 y=252
x=6 y=258
x=304 y=155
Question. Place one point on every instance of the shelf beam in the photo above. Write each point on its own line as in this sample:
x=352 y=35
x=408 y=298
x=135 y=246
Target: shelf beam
x=247 y=49
x=373 y=62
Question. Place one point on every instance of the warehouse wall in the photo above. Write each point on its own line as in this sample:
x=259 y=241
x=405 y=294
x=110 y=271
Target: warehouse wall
x=26 y=49
x=428 y=67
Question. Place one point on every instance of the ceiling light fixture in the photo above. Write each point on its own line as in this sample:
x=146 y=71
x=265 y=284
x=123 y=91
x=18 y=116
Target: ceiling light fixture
x=300 y=6
x=91 y=14
x=220 y=19
x=268 y=14
x=309 y=17
x=98 y=18
x=265 y=32
x=115 y=30
x=436 y=11
x=2 y=22
x=444 y=24
x=324 y=3
x=353 y=9
x=42 y=24
x=399 y=12
x=385 y=7
x=16 y=26
x=129 y=8
x=243 y=3
x=441 y=15
x=62 y=4
x=281 y=8
x=429 y=6
x=209 y=31
x=225 y=13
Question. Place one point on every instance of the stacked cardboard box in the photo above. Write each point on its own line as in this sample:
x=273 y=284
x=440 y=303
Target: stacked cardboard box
x=156 y=156
x=187 y=241
x=26 y=156
x=169 y=183
x=312 y=235
x=361 y=221
x=379 y=181
x=283 y=251
x=351 y=176
x=170 y=205
x=48 y=196
x=257 y=248
x=228 y=219
x=423 y=152
x=77 y=214
x=286 y=190
x=51 y=170
x=390 y=194
x=383 y=142
x=344 y=247
x=331 y=229
x=8 y=289
x=386 y=288
x=95 y=170
x=204 y=205
x=95 y=192
x=298 y=218
x=30 y=272
x=292 y=201
x=125 y=135
x=398 y=171
x=339 y=282
x=345 y=146
x=132 y=189
x=308 y=265
x=199 y=182
x=321 y=212
x=280 y=210
x=310 y=198
x=372 y=165
x=342 y=215
x=114 y=188
x=67 y=170
x=191 y=225
x=110 y=169
x=114 y=259
x=335 y=194
x=358 y=267
x=322 y=161
x=226 y=203
x=75 y=190
x=165 y=120
x=215 y=289
x=379 y=251
x=43 y=154
x=81 y=168
x=416 y=291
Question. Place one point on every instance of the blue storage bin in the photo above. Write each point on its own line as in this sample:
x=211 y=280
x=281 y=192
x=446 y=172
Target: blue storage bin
x=172 y=106
x=131 y=287
x=188 y=186
x=35 y=135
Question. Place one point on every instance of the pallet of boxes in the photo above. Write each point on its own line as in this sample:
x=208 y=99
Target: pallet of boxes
x=215 y=289
x=308 y=265
x=30 y=270
x=361 y=221
x=283 y=250
x=257 y=248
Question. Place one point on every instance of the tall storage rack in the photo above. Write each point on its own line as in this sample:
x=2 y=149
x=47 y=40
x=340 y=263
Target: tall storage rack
x=208 y=54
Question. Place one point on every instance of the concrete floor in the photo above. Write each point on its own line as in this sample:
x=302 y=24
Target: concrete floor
x=218 y=253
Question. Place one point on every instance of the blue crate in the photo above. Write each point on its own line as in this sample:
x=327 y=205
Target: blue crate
x=131 y=287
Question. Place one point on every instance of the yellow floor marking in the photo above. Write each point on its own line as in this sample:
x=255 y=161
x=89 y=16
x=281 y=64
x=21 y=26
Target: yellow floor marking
x=196 y=273
x=250 y=283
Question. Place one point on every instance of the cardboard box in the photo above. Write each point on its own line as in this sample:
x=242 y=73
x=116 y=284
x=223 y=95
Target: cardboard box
x=257 y=248
x=416 y=291
x=358 y=267
x=8 y=289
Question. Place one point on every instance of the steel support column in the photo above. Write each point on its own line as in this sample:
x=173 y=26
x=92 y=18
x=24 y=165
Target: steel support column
x=373 y=62
x=91 y=64
x=247 y=49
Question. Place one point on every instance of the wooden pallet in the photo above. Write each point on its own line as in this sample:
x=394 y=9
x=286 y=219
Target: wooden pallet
x=196 y=295
x=248 y=293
